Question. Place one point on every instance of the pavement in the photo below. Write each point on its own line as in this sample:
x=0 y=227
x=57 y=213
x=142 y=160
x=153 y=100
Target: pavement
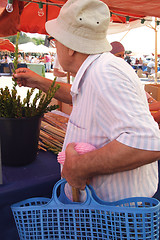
x=22 y=91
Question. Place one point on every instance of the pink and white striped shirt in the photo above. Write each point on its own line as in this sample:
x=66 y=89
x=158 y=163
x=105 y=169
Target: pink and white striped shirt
x=109 y=102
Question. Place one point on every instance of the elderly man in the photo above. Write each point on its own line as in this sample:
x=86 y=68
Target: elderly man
x=110 y=109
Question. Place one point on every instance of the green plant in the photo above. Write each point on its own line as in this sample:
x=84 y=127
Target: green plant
x=11 y=105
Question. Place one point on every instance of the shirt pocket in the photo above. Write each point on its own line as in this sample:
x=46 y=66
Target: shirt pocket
x=76 y=133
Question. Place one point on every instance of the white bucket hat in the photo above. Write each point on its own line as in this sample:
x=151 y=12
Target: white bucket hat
x=82 y=26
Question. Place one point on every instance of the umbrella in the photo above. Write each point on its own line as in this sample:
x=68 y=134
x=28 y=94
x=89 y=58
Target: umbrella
x=6 y=45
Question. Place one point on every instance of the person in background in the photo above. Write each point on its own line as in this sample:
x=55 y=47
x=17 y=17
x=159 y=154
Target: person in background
x=110 y=109
x=137 y=61
x=128 y=60
x=3 y=60
x=118 y=49
x=26 y=59
x=151 y=66
x=32 y=59
x=10 y=63
x=20 y=58
x=35 y=60
x=140 y=72
x=140 y=61
x=47 y=60
x=52 y=60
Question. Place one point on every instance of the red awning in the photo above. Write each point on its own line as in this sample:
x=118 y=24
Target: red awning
x=135 y=7
x=31 y=22
x=26 y=19
x=10 y=21
x=6 y=45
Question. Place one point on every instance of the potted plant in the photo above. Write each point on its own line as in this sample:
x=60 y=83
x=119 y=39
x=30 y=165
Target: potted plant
x=20 y=121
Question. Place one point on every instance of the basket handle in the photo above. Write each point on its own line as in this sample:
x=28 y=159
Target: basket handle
x=75 y=194
x=98 y=200
x=61 y=183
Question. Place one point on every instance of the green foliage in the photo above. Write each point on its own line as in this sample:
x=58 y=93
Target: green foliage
x=128 y=52
x=11 y=105
x=37 y=41
x=23 y=38
x=15 y=62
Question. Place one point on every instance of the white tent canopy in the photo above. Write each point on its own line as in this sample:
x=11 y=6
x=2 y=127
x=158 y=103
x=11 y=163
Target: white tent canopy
x=27 y=47
x=30 y=47
x=123 y=27
x=43 y=49
x=140 y=40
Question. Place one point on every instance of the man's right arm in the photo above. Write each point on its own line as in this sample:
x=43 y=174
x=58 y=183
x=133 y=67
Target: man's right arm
x=26 y=77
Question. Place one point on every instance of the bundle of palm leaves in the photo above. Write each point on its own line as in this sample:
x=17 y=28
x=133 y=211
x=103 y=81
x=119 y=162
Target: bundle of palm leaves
x=52 y=132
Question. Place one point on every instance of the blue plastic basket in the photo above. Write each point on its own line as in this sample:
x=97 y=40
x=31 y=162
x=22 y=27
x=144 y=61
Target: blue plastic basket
x=94 y=219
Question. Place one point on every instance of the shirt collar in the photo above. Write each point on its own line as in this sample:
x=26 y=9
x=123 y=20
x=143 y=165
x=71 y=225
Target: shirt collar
x=89 y=60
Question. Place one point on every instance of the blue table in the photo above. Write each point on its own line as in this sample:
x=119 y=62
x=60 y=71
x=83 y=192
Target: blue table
x=34 y=180
x=3 y=68
x=2 y=65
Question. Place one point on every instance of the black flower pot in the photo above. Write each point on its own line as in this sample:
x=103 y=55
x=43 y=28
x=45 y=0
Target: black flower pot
x=19 y=140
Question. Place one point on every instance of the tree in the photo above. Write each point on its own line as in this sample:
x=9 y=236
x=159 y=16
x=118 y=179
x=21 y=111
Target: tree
x=38 y=41
x=24 y=39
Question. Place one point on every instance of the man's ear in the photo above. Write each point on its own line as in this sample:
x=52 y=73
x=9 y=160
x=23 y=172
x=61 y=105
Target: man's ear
x=71 y=52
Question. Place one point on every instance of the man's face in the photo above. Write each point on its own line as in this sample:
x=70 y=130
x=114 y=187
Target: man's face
x=120 y=54
x=63 y=56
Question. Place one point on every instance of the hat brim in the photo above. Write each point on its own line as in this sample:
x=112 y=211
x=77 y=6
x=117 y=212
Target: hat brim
x=77 y=43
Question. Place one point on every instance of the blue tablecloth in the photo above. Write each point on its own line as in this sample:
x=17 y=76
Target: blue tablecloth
x=34 y=180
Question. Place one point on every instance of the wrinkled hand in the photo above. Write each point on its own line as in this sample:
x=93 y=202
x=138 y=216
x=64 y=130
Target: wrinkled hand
x=73 y=169
x=26 y=77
